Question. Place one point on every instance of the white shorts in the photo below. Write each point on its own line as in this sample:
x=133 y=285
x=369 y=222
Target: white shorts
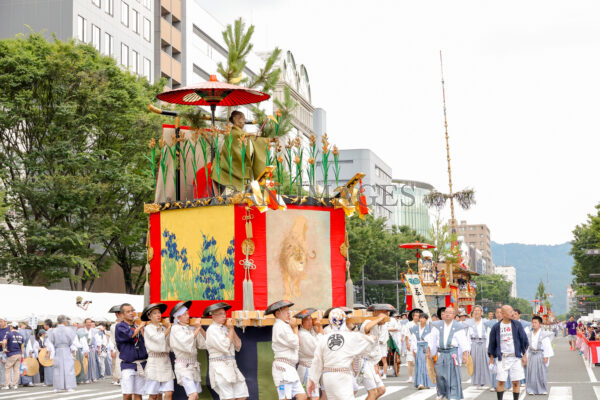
x=384 y=350
x=156 y=387
x=410 y=357
x=190 y=386
x=371 y=380
x=290 y=390
x=509 y=365
x=232 y=390
x=131 y=382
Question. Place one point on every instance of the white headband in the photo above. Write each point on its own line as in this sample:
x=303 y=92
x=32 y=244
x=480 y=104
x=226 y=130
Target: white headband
x=179 y=312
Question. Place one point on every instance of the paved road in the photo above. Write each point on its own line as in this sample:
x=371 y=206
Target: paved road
x=569 y=379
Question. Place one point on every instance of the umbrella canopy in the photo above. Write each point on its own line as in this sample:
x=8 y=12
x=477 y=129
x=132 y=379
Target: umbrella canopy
x=416 y=245
x=213 y=93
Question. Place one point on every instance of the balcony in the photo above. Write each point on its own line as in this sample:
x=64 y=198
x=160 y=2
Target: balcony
x=165 y=31
x=165 y=64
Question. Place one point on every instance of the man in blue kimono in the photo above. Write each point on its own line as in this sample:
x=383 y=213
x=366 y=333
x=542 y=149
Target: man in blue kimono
x=507 y=347
x=132 y=352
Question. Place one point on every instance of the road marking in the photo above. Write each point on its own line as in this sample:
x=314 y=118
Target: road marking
x=421 y=394
x=388 y=390
x=47 y=393
x=468 y=381
x=77 y=395
x=589 y=370
x=472 y=392
x=561 y=393
x=597 y=391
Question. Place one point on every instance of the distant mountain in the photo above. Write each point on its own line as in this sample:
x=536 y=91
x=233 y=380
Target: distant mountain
x=531 y=261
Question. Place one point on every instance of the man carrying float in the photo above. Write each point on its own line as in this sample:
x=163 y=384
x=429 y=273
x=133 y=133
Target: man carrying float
x=222 y=342
x=159 y=373
x=372 y=381
x=309 y=333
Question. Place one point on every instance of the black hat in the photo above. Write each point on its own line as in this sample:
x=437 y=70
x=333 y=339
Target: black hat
x=381 y=307
x=359 y=306
x=411 y=312
x=278 y=305
x=186 y=304
x=214 y=307
x=403 y=313
x=440 y=311
x=115 y=309
x=154 y=306
x=346 y=310
x=307 y=312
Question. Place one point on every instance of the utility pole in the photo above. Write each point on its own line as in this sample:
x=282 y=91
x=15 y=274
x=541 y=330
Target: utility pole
x=363 y=285
x=397 y=289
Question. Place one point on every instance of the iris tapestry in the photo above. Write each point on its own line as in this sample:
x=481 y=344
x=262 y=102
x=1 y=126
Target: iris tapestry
x=197 y=254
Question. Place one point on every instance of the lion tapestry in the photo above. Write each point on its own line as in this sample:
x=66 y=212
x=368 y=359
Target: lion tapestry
x=299 y=257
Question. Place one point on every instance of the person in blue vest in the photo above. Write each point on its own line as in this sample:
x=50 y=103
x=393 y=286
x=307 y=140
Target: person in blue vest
x=133 y=354
x=13 y=344
x=507 y=348
x=420 y=343
x=4 y=329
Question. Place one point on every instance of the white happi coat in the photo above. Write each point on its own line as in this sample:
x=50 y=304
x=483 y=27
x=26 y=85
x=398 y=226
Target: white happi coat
x=223 y=368
x=158 y=368
x=285 y=345
x=185 y=347
x=333 y=358
x=308 y=344
x=373 y=352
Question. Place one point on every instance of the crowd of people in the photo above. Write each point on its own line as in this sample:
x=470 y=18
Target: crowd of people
x=311 y=361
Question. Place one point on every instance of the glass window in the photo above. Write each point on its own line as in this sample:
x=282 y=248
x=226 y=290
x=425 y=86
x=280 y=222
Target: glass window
x=147 y=29
x=124 y=13
x=96 y=3
x=96 y=37
x=108 y=44
x=124 y=55
x=135 y=61
x=135 y=24
x=81 y=29
x=109 y=7
x=147 y=69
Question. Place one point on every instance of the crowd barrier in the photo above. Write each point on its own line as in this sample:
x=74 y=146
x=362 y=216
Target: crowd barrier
x=590 y=349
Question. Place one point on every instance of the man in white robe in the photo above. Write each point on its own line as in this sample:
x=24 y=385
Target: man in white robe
x=158 y=370
x=309 y=333
x=62 y=338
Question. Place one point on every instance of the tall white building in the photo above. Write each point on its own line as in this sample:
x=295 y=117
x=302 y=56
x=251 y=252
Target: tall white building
x=571 y=298
x=510 y=273
x=122 y=29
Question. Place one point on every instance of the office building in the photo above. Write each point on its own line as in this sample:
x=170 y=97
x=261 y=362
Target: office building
x=510 y=273
x=121 y=29
x=409 y=208
x=169 y=41
x=478 y=236
x=571 y=298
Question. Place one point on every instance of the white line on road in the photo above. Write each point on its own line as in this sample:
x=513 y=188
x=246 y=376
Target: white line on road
x=589 y=370
x=597 y=391
x=561 y=393
x=421 y=395
x=78 y=395
x=472 y=392
x=29 y=394
x=388 y=390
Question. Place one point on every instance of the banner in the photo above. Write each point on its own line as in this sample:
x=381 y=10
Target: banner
x=418 y=296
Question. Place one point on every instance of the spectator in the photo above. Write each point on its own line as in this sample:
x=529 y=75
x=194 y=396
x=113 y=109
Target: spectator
x=3 y=331
x=13 y=343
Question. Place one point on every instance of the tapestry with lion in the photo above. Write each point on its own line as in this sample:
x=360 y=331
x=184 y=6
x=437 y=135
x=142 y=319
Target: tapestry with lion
x=299 y=257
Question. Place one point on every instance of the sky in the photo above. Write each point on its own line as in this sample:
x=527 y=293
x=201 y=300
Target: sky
x=522 y=91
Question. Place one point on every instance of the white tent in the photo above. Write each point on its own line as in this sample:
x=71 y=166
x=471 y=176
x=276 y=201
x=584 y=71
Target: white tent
x=22 y=302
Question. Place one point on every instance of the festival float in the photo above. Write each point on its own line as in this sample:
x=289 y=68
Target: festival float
x=231 y=222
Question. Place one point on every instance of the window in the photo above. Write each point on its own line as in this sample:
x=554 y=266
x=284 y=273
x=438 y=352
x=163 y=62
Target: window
x=481 y=243
x=124 y=55
x=96 y=3
x=108 y=44
x=480 y=236
x=135 y=23
x=147 y=69
x=135 y=61
x=109 y=7
x=96 y=37
x=81 y=29
x=124 y=13
x=147 y=29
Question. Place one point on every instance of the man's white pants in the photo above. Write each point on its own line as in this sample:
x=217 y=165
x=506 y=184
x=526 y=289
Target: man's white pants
x=509 y=365
x=102 y=363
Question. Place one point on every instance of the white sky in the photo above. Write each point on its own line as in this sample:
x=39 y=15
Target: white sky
x=522 y=89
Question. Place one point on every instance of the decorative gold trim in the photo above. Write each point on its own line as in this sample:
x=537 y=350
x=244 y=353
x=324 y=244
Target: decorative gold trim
x=151 y=208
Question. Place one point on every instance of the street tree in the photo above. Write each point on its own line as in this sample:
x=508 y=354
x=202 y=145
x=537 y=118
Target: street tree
x=73 y=131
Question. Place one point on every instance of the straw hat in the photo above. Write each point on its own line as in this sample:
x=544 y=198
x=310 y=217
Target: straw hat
x=44 y=358
x=154 y=306
x=431 y=370
x=77 y=366
x=32 y=365
x=278 y=305
x=85 y=365
x=470 y=365
x=214 y=307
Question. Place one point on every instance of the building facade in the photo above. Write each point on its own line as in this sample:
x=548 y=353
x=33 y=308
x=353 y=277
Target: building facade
x=571 y=298
x=409 y=208
x=118 y=28
x=510 y=273
x=169 y=41
x=478 y=236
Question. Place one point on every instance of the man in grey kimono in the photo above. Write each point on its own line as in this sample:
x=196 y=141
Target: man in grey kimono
x=453 y=342
x=89 y=333
x=62 y=338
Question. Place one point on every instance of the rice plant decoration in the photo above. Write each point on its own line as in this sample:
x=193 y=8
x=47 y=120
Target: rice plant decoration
x=336 y=165
x=313 y=153
x=164 y=166
x=228 y=142
x=288 y=159
x=298 y=161
x=243 y=145
x=193 y=145
x=325 y=160
x=152 y=160
x=204 y=148
x=217 y=158
x=184 y=152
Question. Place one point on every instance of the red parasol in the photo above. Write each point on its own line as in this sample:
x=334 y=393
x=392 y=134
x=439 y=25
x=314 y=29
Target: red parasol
x=213 y=93
x=417 y=245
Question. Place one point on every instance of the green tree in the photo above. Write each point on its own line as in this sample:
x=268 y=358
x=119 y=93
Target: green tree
x=73 y=132
x=439 y=236
x=495 y=288
x=375 y=247
x=587 y=236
